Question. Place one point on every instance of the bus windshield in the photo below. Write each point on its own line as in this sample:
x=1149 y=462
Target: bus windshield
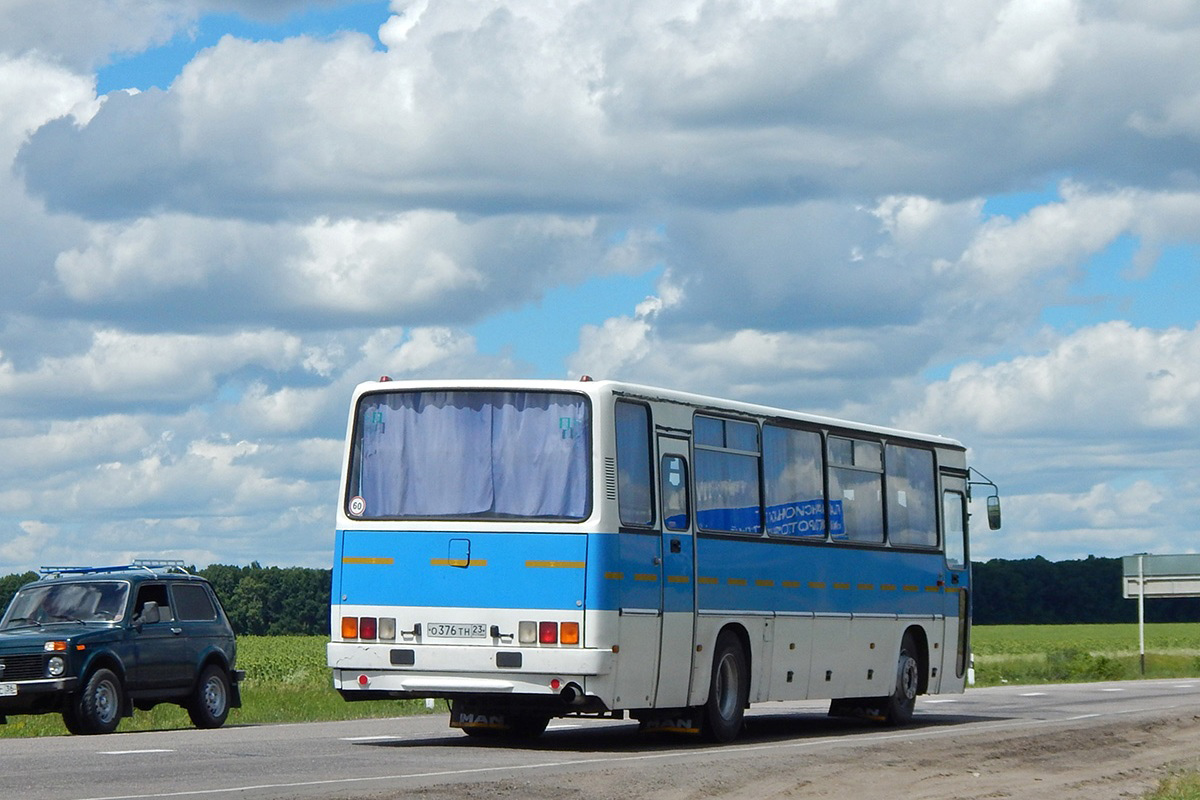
x=471 y=454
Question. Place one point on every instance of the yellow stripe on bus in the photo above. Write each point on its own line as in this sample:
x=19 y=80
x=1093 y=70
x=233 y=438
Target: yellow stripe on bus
x=458 y=562
x=614 y=576
x=644 y=576
x=365 y=560
x=557 y=564
x=678 y=579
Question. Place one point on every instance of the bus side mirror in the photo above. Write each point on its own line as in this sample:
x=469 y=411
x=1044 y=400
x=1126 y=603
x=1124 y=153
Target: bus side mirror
x=993 y=512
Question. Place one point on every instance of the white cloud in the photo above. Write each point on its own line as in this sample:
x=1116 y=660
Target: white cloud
x=195 y=277
x=1107 y=377
x=416 y=266
x=86 y=35
x=481 y=107
x=121 y=367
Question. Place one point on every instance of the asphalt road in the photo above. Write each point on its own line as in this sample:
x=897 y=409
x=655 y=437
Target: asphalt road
x=381 y=757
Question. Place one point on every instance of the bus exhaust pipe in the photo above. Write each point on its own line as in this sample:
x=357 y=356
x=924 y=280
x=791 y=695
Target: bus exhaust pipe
x=572 y=694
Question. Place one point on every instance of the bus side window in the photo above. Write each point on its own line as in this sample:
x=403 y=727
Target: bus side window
x=911 y=496
x=674 y=493
x=855 y=490
x=634 y=465
x=793 y=482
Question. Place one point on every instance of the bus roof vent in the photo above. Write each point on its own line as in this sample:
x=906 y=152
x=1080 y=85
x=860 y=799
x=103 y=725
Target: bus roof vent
x=610 y=478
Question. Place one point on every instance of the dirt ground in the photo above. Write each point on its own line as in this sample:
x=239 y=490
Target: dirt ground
x=1092 y=759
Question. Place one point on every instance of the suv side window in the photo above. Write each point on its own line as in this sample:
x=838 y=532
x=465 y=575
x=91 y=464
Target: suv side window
x=157 y=593
x=192 y=602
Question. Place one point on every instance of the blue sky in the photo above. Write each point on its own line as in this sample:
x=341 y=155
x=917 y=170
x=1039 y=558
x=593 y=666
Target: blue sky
x=159 y=65
x=977 y=220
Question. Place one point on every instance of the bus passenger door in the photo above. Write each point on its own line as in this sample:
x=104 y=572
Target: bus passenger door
x=677 y=575
x=956 y=651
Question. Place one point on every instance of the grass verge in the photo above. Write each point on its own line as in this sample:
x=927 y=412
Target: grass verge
x=286 y=681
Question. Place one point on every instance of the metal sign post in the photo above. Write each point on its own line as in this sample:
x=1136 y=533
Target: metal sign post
x=1146 y=575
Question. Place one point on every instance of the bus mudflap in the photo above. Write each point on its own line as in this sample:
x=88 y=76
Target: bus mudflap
x=669 y=720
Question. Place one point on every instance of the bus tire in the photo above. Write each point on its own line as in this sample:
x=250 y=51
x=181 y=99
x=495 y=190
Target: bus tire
x=903 y=699
x=527 y=727
x=728 y=690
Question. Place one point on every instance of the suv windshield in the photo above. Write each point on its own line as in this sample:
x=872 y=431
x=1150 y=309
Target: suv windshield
x=461 y=454
x=94 y=601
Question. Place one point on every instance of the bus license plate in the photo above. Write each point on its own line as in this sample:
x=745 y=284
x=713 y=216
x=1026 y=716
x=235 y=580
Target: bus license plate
x=457 y=630
x=8 y=690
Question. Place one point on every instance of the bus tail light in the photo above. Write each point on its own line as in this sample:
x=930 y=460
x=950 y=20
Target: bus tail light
x=366 y=628
x=349 y=627
x=530 y=632
x=387 y=629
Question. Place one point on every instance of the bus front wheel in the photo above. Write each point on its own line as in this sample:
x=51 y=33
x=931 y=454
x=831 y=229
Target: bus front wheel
x=903 y=699
x=728 y=690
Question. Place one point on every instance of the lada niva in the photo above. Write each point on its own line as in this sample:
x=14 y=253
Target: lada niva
x=94 y=643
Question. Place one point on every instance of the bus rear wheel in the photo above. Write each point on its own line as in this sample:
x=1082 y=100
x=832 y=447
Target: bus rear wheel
x=728 y=690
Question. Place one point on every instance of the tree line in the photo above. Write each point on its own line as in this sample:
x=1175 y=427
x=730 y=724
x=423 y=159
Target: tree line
x=1030 y=591
x=258 y=600
x=1035 y=591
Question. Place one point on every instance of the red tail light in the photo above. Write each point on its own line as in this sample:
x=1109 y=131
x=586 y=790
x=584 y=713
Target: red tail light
x=548 y=632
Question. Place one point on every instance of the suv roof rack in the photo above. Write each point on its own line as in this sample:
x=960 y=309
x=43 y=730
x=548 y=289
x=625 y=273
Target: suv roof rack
x=148 y=564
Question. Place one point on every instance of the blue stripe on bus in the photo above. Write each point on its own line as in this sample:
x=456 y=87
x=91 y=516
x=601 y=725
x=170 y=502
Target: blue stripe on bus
x=609 y=571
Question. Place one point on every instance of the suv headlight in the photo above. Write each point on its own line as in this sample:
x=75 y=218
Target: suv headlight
x=55 y=666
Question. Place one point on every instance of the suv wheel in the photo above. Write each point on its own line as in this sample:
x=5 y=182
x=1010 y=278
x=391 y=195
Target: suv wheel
x=97 y=708
x=70 y=717
x=209 y=705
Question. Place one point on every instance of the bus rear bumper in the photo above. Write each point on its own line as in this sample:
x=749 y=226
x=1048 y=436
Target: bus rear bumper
x=450 y=671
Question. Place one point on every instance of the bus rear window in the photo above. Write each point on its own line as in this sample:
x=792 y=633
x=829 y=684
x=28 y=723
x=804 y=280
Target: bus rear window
x=471 y=454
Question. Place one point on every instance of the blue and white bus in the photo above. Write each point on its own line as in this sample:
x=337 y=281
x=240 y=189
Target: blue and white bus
x=537 y=549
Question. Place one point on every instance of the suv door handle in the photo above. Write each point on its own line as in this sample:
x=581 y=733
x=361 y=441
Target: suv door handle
x=176 y=631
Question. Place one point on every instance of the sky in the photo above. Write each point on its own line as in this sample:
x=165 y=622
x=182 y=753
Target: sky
x=980 y=220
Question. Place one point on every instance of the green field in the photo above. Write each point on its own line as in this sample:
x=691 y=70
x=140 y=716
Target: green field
x=287 y=680
x=1062 y=653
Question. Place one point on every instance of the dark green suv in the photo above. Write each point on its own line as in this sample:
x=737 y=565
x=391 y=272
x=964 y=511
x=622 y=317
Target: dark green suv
x=94 y=643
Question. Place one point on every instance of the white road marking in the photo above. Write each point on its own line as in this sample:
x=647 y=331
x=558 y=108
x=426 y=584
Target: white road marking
x=616 y=759
x=368 y=738
x=132 y=752
x=1032 y=694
